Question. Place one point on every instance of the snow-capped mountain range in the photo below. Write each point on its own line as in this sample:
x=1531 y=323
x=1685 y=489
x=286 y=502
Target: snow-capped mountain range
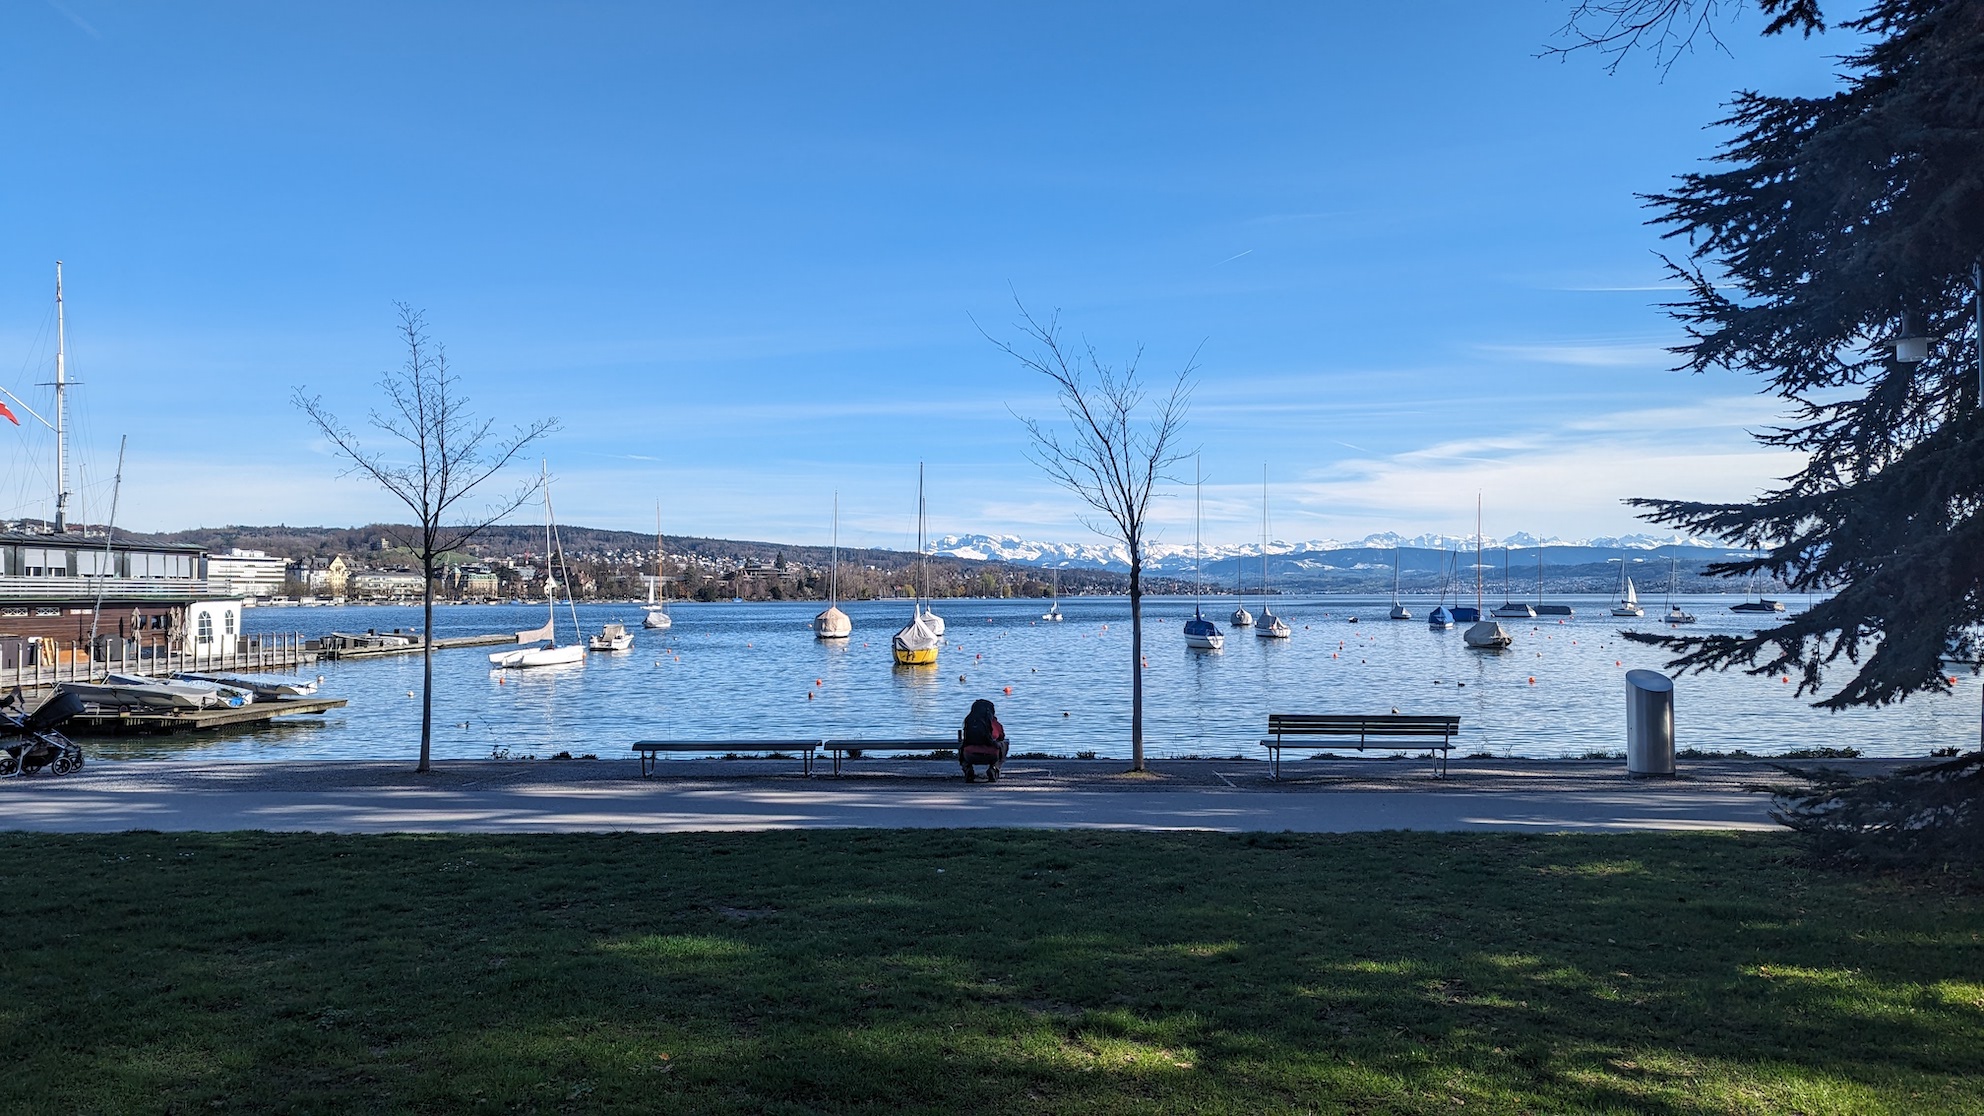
x=1171 y=558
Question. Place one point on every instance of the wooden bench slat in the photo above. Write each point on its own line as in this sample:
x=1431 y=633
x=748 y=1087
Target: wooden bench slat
x=648 y=749
x=1384 y=727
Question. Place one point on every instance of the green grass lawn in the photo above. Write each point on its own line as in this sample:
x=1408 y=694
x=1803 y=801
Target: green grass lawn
x=867 y=971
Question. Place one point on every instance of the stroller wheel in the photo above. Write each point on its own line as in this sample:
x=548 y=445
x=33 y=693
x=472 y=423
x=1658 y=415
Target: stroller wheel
x=8 y=764
x=64 y=764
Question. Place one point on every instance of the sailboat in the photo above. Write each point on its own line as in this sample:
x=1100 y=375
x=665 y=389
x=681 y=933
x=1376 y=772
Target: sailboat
x=1441 y=619
x=1511 y=608
x=1675 y=613
x=1399 y=611
x=550 y=654
x=1483 y=635
x=1241 y=618
x=1761 y=604
x=1054 y=610
x=1199 y=631
x=1629 y=598
x=931 y=620
x=1270 y=626
x=1541 y=608
x=833 y=623
x=656 y=618
x=916 y=644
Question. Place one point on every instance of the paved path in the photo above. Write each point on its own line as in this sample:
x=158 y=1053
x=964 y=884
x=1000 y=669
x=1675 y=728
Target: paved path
x=610 y=796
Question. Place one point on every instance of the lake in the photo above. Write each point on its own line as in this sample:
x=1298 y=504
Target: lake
x=754 y=670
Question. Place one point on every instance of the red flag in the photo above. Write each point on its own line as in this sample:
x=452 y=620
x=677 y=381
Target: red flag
x=9 y=415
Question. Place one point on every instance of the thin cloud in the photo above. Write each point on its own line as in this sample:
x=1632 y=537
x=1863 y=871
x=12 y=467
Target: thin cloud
x=1597 y=353
x=79 y=21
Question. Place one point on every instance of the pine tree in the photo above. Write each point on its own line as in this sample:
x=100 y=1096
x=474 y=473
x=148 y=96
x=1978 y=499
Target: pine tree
x=1830 y=227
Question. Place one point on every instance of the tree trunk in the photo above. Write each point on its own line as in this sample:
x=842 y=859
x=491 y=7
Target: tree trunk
x=426 y=661
x=1136 y=664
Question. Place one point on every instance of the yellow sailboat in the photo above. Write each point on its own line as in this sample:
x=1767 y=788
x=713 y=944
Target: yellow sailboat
x=917 y=644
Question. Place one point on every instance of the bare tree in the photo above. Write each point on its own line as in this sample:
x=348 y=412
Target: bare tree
x=438 y=452
x=1667 y=29
x=1110 y=458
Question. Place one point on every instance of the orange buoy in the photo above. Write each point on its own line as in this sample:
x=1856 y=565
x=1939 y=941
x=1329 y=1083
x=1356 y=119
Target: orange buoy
x=817 y=682
x=1786 y=678
x=1009 y=691
x=1532 y=680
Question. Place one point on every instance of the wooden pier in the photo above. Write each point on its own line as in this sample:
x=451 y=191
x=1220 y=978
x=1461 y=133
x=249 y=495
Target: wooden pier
x=446 y=643
x=140 y=721
x=57 y=662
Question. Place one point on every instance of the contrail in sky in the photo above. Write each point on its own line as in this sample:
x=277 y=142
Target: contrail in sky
x=1230 y=259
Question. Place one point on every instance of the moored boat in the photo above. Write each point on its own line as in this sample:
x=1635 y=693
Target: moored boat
x=833 y=623
x=611 y=637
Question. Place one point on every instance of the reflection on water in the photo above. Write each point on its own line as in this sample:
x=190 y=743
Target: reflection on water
x=730 y=671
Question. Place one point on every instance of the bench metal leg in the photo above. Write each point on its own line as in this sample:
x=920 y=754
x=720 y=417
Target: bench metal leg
x=1274 y=763
x=647 y=765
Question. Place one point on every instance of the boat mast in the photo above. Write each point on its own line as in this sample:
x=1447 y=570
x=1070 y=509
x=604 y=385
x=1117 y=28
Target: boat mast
x=1198 y=513
x=834 y=581
x=550 y=597
x=61 y=384
x=103 y=572
x=1264 y=538
x=1477 y=553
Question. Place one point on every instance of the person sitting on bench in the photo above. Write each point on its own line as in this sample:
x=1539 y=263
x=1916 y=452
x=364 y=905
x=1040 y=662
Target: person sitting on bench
x=983 y=741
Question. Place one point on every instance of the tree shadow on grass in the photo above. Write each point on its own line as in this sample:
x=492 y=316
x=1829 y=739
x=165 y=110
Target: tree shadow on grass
x=981 y=970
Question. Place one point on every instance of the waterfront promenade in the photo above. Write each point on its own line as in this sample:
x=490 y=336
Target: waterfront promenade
x=608 y=796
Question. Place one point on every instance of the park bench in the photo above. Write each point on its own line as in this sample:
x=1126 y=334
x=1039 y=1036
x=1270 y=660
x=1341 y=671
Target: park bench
x=650 y=748
x=839 y=748
x=1374 y=733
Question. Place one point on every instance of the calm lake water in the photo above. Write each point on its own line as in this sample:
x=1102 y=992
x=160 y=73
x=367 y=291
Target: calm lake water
x=746 y=670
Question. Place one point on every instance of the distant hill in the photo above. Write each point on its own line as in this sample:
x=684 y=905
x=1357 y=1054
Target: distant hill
x=1424 y=562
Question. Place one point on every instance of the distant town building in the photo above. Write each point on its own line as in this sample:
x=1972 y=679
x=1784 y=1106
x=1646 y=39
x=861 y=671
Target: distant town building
x=386 y=583
x=470 y=581
x=246 y=573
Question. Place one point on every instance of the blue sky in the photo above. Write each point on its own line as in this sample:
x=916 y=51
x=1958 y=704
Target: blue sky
x=738 y=250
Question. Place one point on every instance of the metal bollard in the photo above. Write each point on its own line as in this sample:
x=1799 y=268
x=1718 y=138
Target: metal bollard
x=1649 y=723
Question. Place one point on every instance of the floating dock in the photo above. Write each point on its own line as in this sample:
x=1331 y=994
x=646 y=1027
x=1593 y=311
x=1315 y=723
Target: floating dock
x=131 y=722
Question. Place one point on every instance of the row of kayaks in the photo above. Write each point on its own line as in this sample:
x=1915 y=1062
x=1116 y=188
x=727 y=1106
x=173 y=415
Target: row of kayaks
x=186 y=691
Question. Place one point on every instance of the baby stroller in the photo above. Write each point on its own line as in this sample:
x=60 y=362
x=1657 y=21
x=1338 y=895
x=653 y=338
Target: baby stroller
x=29 y=742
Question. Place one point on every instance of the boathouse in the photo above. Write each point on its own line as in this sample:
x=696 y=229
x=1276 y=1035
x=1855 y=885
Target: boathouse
x=151 y=595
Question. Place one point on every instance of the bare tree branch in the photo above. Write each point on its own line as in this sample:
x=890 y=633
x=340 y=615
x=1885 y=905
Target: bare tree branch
x=1668 y=29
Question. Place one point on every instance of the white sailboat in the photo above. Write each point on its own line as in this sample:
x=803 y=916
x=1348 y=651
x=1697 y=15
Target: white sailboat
x=1269 y=626
x=1200 y=632
x=1629 y=598
x=550 y=654
x=916 y=644
x=656 y=616
x=833 y=623
x=1399 y=611
x=1483 y=634
x=1054 y=610
x=1241 y=618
